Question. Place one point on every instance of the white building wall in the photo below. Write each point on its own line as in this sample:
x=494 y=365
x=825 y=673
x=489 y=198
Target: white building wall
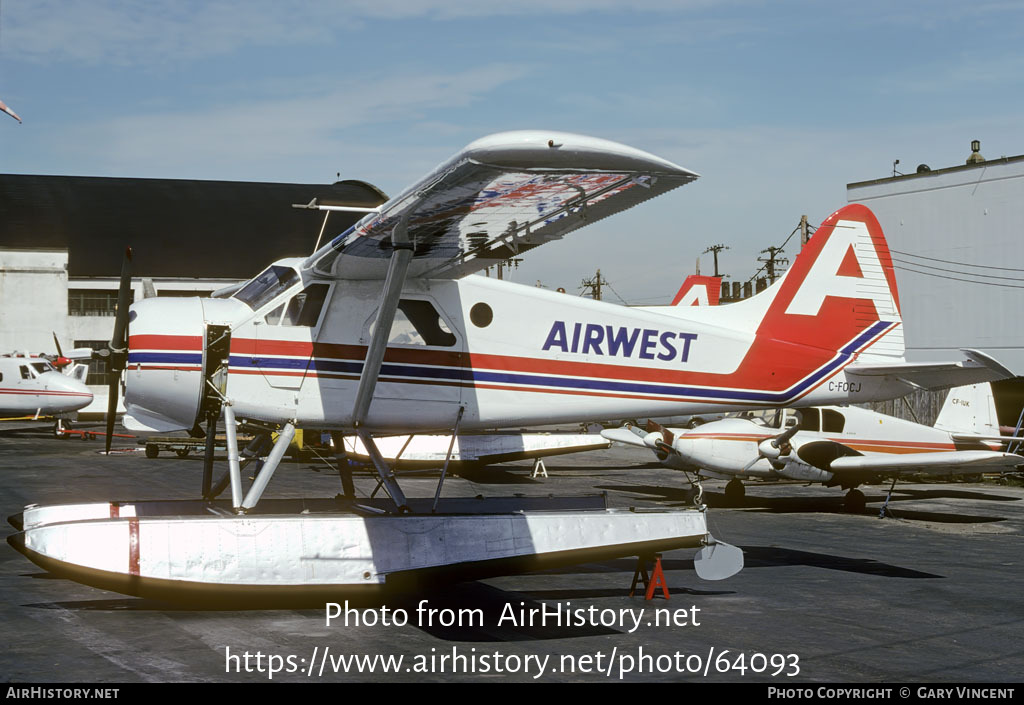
x=968 y=216
x=33 y=299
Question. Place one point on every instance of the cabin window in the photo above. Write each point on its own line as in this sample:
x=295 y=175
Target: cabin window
x=268 y=284
x=810 y=419
x=419 y=323
x=274 y=317
x=26 y=373
x=832 y=421
x=304 y=308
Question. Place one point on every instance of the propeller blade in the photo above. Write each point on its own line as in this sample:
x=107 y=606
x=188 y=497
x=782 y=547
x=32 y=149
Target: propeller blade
x=57 y=343
x=118 y=355
x=787 y=434
x=115 y=379
x=655 y=427
x=118 y=341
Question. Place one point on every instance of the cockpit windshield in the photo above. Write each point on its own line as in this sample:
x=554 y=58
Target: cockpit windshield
x=267 y=285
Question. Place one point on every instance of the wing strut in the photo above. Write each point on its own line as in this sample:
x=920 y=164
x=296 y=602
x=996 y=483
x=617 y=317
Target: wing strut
x=402 y=251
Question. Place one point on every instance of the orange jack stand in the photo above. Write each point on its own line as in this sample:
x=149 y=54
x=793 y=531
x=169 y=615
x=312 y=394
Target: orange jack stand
x=656 y=580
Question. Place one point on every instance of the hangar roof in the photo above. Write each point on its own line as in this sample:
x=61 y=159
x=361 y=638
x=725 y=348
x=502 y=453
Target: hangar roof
x=176 y=227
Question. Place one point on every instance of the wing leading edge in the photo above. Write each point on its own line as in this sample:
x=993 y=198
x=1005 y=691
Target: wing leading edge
x=499 y=197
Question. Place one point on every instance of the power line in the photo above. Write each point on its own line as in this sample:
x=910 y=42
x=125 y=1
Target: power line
x=957 y=271
x=963 y=264
x=969 y=281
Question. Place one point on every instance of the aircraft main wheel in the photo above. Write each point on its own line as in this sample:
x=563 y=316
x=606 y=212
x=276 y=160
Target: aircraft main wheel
x=181 y=452
x=735 y=492
x=855 y=502
x=152 y=450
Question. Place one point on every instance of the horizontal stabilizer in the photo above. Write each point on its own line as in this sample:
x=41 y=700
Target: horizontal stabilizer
x=978 y=367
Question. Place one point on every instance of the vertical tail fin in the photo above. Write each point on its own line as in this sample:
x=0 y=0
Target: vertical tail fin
x=970 y=409
x=840 y=294
x=698 y=290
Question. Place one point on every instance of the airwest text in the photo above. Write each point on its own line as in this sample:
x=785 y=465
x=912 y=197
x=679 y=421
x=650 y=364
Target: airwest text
x=642 y=343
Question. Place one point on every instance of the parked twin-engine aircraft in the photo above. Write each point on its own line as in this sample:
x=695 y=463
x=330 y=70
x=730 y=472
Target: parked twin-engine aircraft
x=836 y=445
x=385 y=329
x=33 y=386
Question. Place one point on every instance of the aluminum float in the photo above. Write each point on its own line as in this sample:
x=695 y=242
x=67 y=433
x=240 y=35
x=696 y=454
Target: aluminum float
x=317 y=555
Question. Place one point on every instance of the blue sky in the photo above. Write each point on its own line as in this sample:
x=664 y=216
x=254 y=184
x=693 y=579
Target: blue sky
x=778 y=105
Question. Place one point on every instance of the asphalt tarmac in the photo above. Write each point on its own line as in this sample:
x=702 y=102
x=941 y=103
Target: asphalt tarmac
x=932 y=594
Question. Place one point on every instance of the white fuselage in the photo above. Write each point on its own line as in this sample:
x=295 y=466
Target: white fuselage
x=30 y=386
x=509 y=354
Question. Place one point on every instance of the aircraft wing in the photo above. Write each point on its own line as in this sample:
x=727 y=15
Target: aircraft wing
x=496 y=199
x=624 y=435
x=947 y=462
x=978 y=367
x=974 y=437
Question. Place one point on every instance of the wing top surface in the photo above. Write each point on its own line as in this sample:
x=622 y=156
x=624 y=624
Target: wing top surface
x=499 y=197
x=954 y=461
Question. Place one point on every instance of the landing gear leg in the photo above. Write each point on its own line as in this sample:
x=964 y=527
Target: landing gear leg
x=344 y=469
x=885 y=507
x=267 y=471
x=211 y=440
x=384 y=473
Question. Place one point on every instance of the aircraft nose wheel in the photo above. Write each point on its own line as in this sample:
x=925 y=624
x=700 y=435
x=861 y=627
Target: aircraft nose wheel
x=855 y=502
x=694 y=496
x=735 y=492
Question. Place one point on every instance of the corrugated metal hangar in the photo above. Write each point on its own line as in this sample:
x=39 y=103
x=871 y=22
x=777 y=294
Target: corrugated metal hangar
x=955 y=238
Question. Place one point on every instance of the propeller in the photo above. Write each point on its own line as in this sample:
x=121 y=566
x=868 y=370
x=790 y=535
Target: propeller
x=775 y=447
x=659 y=439
x=116 y=356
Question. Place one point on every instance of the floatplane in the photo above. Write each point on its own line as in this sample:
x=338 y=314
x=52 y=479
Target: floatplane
x=387 y=329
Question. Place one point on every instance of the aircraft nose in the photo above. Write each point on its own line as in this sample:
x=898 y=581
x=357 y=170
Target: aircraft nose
x=76 y=393
x=163 y=374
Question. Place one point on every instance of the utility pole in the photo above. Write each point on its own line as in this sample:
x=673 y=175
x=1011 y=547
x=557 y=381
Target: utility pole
x=770 y=262
x=594 y=285
x=805 y=231
x=510 y=263
x=715 y=249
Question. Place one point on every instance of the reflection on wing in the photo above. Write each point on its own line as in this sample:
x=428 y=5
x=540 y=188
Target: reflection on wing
x=499 y=197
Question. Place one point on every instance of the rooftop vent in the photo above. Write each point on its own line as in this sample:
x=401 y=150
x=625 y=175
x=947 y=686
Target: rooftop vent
x=975 y=157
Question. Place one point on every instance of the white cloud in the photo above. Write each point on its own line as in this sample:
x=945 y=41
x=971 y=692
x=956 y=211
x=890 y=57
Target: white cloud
x=271 y=138
x=124 y=32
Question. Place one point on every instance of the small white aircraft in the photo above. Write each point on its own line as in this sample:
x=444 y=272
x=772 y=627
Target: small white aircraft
x=836 y=445
x=34 y=386
x=386 y=329
x=474 y=450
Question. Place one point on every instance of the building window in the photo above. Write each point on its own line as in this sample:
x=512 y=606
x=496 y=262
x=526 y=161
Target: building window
x=94 y=302
x=97 y=368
